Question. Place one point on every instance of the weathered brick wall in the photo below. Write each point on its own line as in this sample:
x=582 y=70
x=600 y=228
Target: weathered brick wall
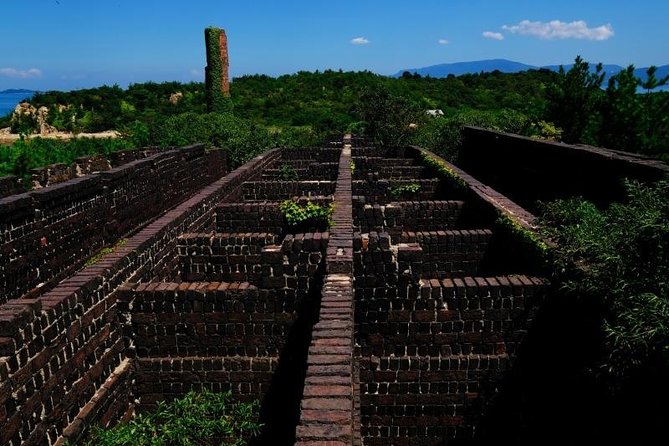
x=321 y=155
x=254 y=258
x=513 y=163
x=10 y=185
x=396 y=216
x=450 y=253
x=283 y=190
x=380 y=191
x=47 y=233
x=63 y=361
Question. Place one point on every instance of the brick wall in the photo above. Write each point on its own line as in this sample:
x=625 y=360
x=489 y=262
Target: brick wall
x=380 y=191
x=63 y=361
x=283 y=190
x=47 y=233
x=514 y=162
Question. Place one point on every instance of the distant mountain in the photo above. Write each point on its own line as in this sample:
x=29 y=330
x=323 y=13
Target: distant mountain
x=16 y=91
x=509 y=66
x=459 y=68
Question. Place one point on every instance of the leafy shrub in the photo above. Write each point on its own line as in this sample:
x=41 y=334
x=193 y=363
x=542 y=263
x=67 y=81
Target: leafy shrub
x=444 y=135
x=242 y=139
x=32 y=153
x=295 y=213
x=619 y=256
x=296 y=137
x=196 y=419
x=404 y=190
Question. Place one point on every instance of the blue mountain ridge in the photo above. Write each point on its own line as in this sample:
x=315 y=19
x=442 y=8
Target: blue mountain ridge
x=509 y=66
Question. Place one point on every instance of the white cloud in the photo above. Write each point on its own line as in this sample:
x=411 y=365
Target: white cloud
x=442 y=42
x=492 y=35
x=196 y=73
x=555 y=29
x=22 y=74
x=359 y=41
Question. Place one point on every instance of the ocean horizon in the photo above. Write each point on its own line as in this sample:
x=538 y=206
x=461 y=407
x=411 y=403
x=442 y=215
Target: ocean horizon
x=8 y=101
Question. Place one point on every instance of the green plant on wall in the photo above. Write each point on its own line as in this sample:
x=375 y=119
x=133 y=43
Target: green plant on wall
x=287 y=173
x=198 y=418
x=295 y=213
x=444 y=171
x=216 y=99
x=405 y=190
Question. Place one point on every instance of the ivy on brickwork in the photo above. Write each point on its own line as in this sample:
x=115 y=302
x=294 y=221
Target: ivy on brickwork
x=197 y=418
x=104 y=251
x=524 y=235
x=295 y=213
x=404 y=190
x=444 y=170
x=216 y=100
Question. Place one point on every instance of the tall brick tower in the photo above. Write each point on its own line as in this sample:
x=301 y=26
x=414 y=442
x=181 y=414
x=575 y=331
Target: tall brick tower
x=216 y=72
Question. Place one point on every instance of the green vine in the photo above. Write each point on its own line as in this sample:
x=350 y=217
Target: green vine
x=352 y=165
x=527 y=237
x=446 y=171
x=295 y=213
x=404 y=190
x=216 y=100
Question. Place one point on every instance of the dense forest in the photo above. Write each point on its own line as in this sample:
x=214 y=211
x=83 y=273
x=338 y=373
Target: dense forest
x=301 y=108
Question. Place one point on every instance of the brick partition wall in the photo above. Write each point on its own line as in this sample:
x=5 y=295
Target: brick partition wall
x=48 y=233
x=330 y=405
x=63 y=363
x=512 y=162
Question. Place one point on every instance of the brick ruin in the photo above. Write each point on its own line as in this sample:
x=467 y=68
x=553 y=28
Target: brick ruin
x=390 y=327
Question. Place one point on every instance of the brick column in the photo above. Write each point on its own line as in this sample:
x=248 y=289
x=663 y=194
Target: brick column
x=328 y=405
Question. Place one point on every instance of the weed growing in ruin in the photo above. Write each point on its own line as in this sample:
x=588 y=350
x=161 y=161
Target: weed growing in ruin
x=104 y=251
x=295 y=213
x=287 y=173
x=404 y=190
x=197 y=418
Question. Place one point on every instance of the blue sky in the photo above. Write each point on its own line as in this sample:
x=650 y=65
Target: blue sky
x=67 y=44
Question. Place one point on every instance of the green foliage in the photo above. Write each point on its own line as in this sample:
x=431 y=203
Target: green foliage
x=295 y=213
x=104 y=251
x=404 y=190
x=574 y=97
x=32 y=153
x=444 y=171
x=240 y=138
x=217 y=102
x=197 y=418
x=352 y=166
x=387 y=117
x=524 y=236
x=619 y=256
x=545 y=130
x=287 y=173
x=296 y=137
x=443 y=135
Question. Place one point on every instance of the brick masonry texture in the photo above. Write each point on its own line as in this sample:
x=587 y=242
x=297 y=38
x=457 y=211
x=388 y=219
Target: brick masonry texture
x=394 y=326
x=47 y=233
x=64 y=362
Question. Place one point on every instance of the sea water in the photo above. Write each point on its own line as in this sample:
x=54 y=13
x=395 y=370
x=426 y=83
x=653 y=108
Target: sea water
x=8 y=101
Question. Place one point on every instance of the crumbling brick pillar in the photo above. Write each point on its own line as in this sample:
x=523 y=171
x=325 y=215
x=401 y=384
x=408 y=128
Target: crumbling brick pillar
x=216 y=72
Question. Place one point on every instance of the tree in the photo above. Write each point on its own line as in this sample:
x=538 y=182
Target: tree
x=387 y=117
x=573 y=99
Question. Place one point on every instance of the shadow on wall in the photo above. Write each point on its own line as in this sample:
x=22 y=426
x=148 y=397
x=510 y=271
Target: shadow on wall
x=554 y=395
x=280 y=409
